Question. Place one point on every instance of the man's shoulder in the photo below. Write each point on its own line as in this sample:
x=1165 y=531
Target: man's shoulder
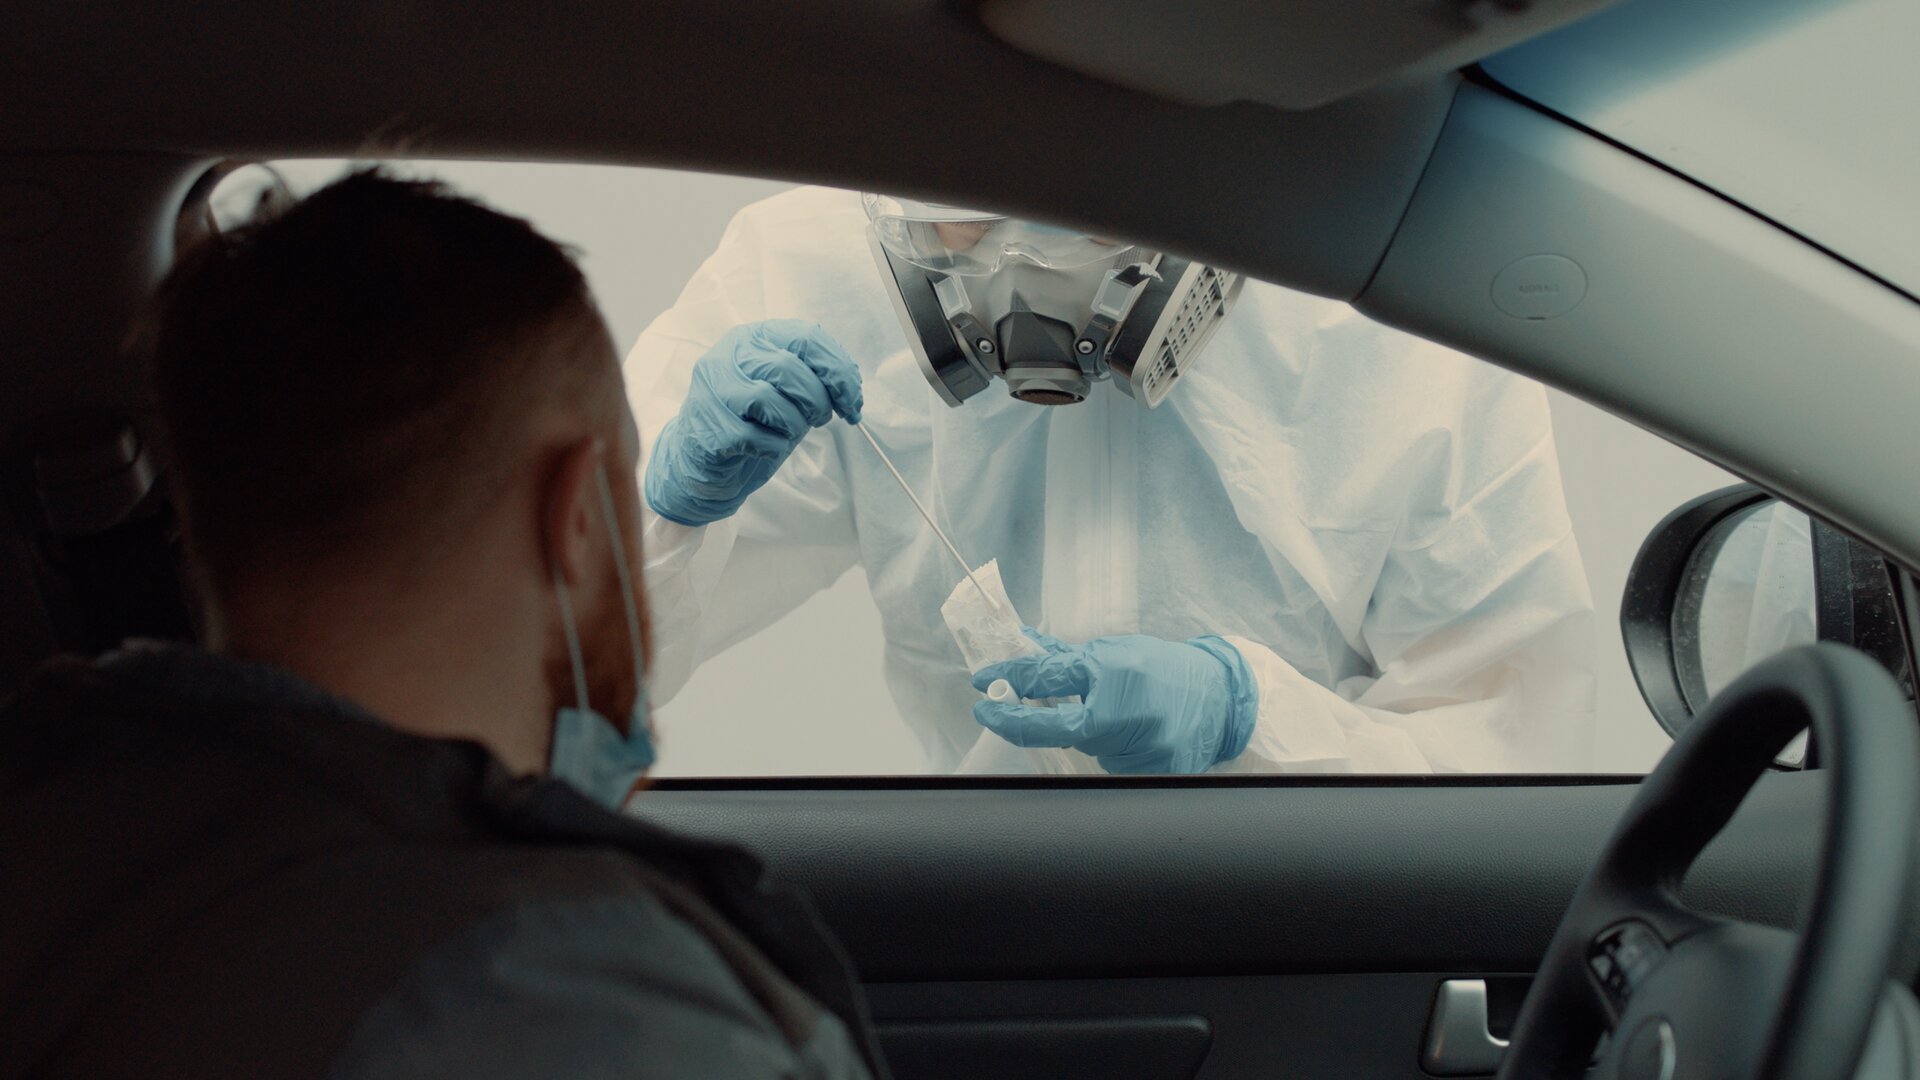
x=56 y=686
x=261 y=837
x=173 y=733
x=608 y=986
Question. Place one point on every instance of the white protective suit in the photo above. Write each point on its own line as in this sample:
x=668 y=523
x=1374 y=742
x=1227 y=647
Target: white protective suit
x=1758 y=596
x=1375 y=522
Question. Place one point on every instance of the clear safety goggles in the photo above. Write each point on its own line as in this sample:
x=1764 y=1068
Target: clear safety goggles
x=972 y=243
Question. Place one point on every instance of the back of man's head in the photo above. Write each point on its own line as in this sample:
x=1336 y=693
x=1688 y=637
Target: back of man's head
x=346 y=384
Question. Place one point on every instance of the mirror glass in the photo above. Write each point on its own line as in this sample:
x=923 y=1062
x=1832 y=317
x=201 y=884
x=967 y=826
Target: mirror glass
x=1748 y=593
x=245 y=192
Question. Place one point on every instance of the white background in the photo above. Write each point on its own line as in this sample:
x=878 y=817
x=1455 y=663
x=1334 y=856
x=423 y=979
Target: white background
x=641 y=233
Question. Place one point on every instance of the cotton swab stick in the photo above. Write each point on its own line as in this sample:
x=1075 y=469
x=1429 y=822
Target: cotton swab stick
x=931 y=524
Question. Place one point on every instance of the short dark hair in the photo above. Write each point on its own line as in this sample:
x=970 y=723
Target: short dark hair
x=352 y=371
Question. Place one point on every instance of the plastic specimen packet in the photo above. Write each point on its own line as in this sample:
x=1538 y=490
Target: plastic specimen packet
x=987 y=635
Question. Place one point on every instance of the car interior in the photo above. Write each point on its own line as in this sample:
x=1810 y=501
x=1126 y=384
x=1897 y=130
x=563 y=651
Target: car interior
x=1737 y=914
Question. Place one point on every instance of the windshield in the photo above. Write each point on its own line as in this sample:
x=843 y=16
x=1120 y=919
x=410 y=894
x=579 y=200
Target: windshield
x=1804 y=110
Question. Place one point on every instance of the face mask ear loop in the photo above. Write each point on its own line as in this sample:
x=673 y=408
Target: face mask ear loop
x=574 y=654
x=625 y=575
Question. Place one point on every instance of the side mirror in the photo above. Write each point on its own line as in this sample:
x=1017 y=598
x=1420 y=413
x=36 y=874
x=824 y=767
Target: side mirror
x=1733 y=577
x=229 y=194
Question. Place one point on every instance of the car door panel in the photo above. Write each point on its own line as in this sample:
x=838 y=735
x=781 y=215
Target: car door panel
x=1307 y=924
x=1038 y=1045
x=1289 y=1025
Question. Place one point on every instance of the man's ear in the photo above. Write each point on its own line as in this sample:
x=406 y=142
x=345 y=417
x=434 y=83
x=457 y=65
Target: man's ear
x=571 y=507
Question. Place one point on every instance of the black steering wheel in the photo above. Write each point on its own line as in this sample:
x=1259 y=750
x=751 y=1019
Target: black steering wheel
x=1684 y=995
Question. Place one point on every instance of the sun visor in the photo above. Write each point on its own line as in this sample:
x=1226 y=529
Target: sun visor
x=1295 y=55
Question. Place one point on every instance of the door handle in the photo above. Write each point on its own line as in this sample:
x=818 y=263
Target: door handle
x=1458 y=1040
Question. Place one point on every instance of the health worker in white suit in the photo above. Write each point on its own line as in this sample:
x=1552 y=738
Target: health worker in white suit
x=1252 y=530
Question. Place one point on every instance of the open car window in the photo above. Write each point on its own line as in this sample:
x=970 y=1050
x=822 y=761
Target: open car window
x=1417 y=559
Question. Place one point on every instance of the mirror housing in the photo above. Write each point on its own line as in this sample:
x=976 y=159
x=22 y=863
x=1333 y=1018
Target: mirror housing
x=1853 y=601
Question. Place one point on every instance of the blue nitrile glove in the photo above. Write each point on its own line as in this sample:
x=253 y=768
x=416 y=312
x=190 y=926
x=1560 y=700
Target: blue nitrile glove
x=1147 y=705
x=754 y=396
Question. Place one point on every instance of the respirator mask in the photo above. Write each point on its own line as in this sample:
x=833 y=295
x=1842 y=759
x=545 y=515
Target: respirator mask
x=1051 y=311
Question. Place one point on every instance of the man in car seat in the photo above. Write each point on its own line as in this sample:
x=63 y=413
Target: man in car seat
x=369 y=829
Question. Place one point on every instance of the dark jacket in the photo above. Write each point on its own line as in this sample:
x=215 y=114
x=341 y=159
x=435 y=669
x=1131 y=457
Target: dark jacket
x=211 y=868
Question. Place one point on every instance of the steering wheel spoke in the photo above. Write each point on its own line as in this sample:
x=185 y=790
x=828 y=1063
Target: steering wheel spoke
x=1673 y=920
x=1622 y=958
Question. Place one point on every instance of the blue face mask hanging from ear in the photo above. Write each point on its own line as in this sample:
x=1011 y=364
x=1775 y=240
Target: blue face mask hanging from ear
x=589 y=752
